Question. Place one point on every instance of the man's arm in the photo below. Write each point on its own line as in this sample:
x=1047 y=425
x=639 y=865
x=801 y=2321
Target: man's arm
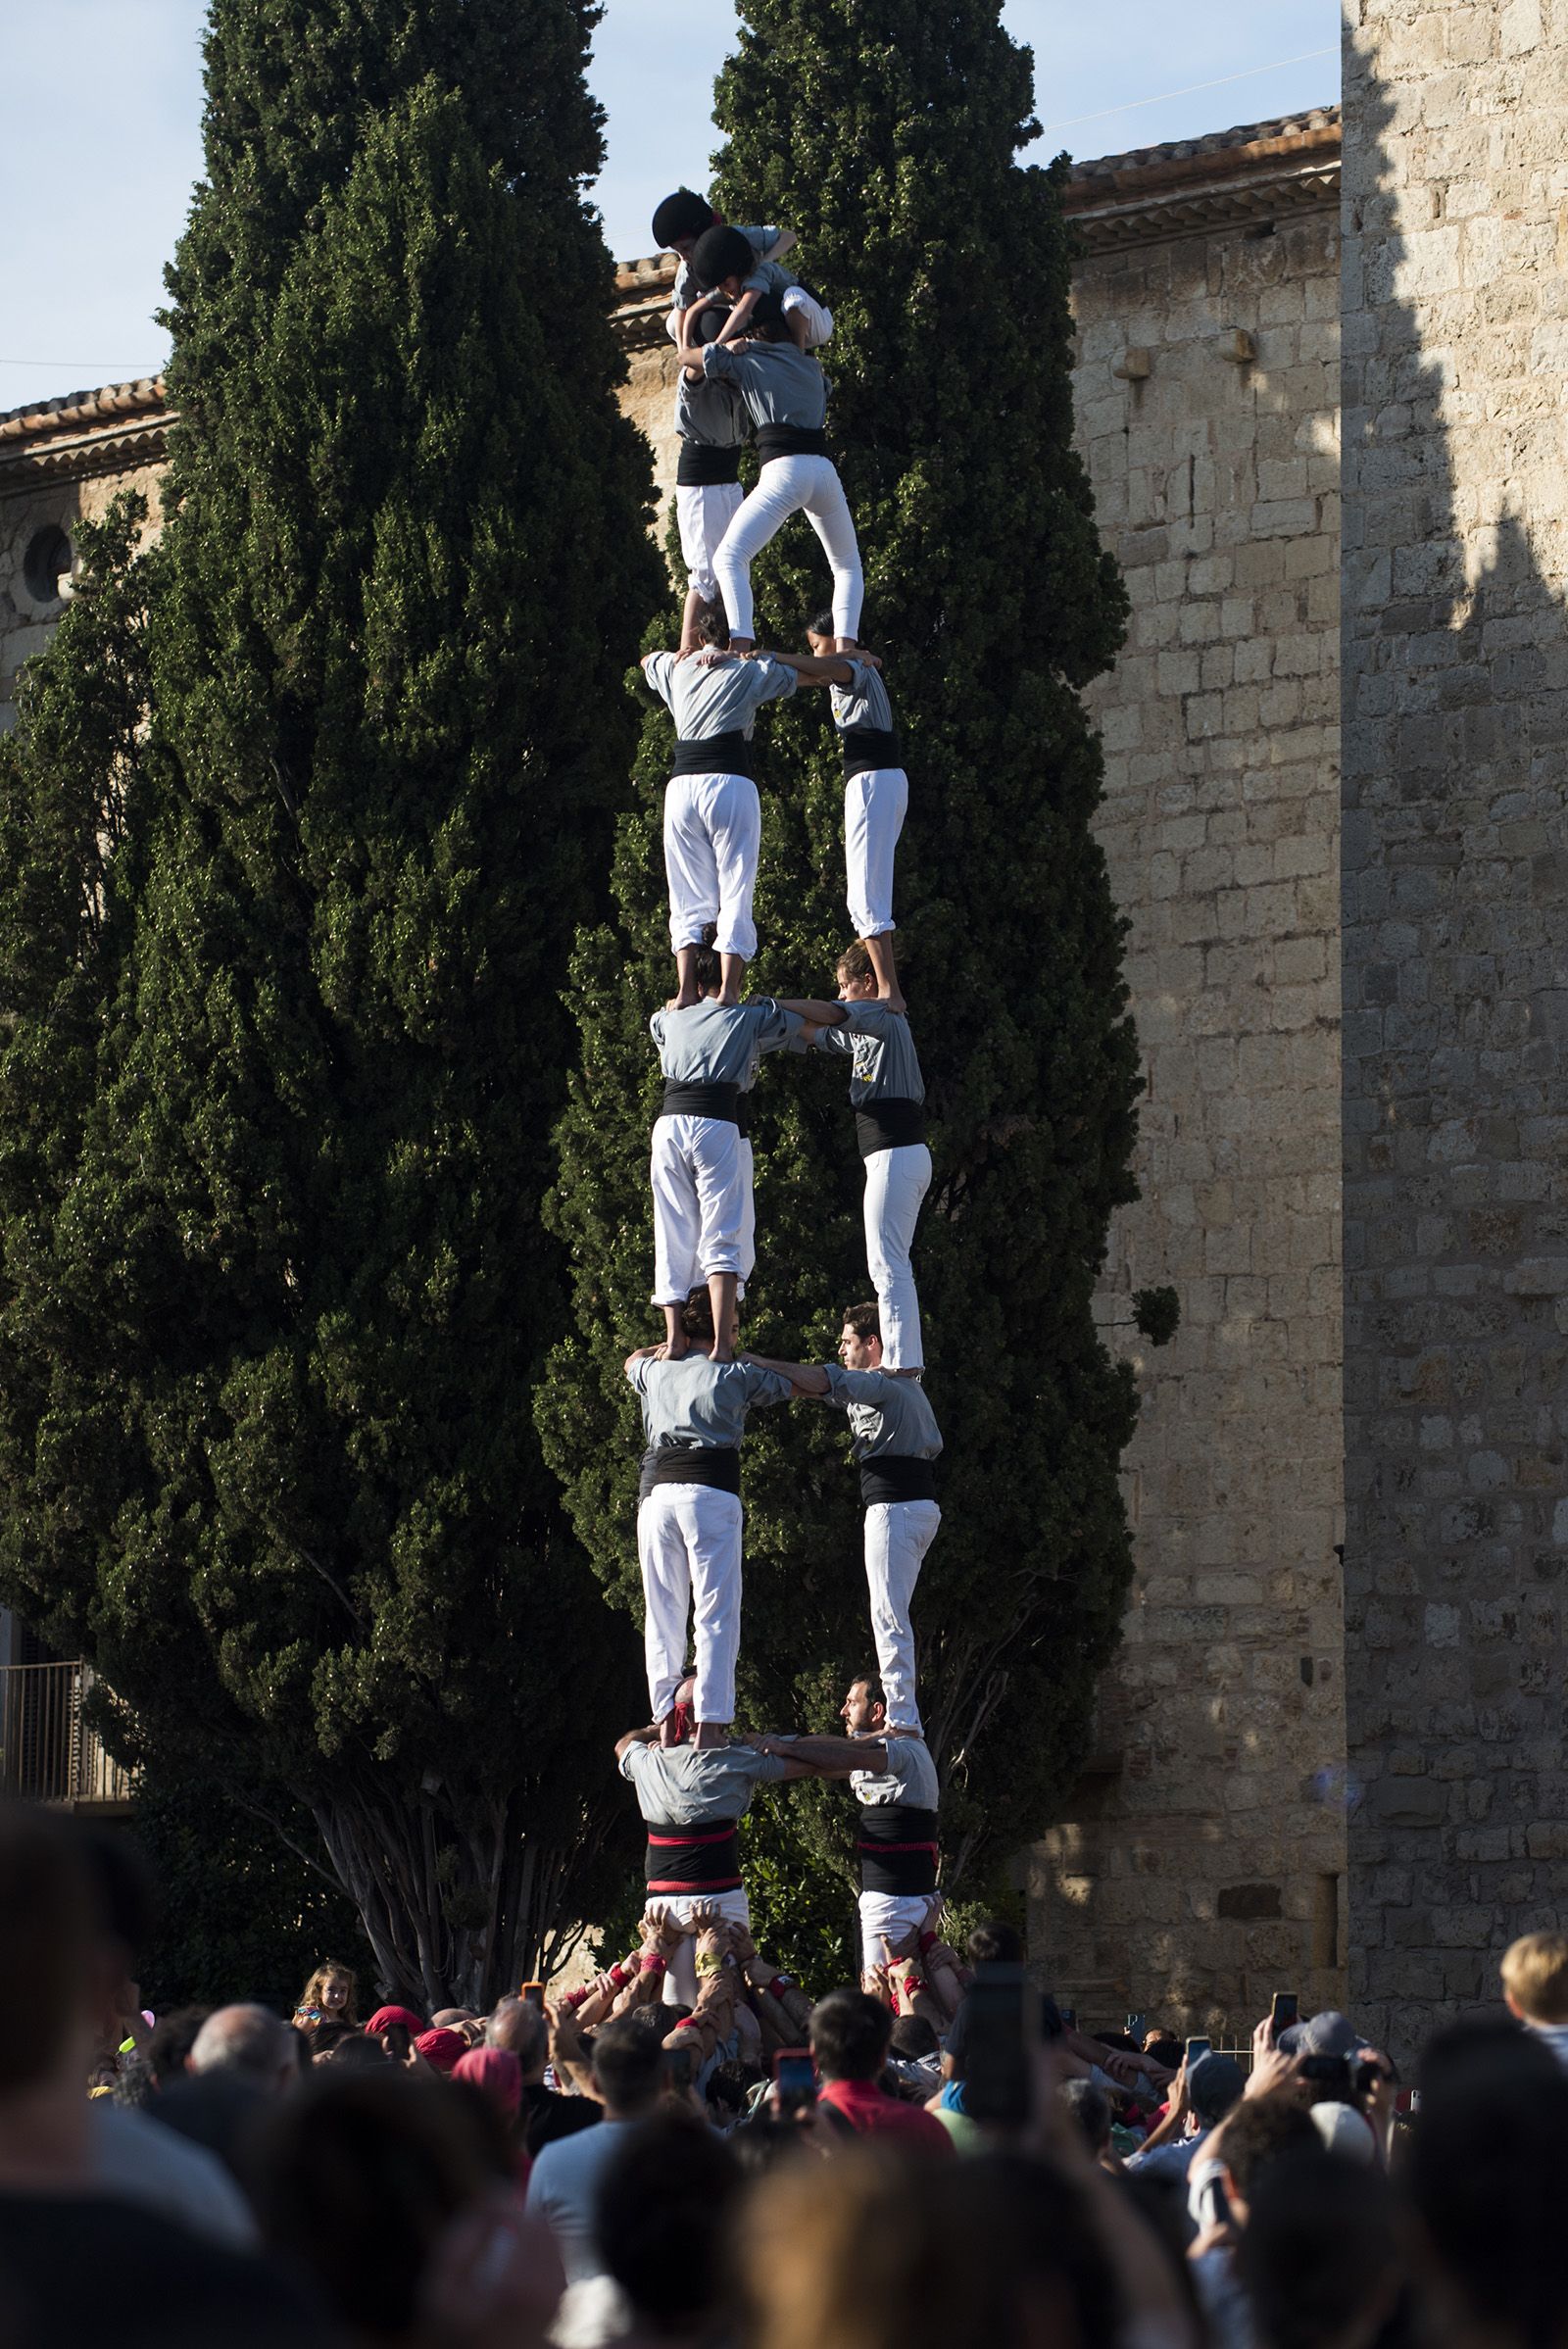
x=812 y=669
x=829 y=1757
x=643 y=1353
x=636 y=1736
x=814 y=1009
x=809 y=1378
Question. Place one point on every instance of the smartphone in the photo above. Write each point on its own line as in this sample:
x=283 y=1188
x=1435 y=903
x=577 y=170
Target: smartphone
x=678 y=2069
x=795 y=2079
x=1002 y=2008
x=1136 y=2024
x=1284 y=2010
x=1069 y=2016
x=1332 y=2071
x=534 y=1993
x=1196 y=2049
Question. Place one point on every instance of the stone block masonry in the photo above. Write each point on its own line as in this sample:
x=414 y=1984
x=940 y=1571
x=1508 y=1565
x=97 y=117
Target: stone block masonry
x=1455 y=1105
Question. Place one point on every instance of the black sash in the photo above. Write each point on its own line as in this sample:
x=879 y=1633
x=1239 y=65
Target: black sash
x=898 y=1848
x=720 y=1101
x=715 y=755
x=700 y=466
x=789 y=440
x=897 y=1476
x=682 y=1859
x=865 y=747
x=717 y=1465
x=890 y=1125
x=743 y=1115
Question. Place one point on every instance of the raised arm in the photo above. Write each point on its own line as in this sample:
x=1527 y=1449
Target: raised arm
x=636 y=1736
x=808 y=1377
x=739 y=314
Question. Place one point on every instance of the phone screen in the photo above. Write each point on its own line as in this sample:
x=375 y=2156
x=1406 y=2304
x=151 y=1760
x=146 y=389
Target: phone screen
x=794 y=2074
x=678 y=2068
x=534 y=1993
x=1284 y=2012
x=1196 y=2049
x=1003 y=2022
x=1136 y=2024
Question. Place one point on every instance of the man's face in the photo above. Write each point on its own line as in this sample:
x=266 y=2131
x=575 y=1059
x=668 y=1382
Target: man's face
x=859 y=1354
x=859 y=1716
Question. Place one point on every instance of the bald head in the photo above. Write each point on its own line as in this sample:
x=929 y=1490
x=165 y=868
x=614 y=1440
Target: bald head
x=522 y=2030
x=248 y=2041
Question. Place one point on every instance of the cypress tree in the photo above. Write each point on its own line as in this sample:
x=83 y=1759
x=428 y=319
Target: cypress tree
x=275 y=1289
x=886 y=133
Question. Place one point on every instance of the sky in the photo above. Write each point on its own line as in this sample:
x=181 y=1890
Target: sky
x=100 y=134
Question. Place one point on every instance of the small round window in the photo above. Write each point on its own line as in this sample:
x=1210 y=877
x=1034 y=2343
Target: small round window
x=46 y=562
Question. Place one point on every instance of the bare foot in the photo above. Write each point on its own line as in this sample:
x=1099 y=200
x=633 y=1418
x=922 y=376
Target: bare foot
x=892 y=997
x=717 y=1352
x=684 y=1002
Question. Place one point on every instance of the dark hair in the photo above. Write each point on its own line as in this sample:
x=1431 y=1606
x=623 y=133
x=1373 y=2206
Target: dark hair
x=172 y=2039
x=121 y=1888
x=872 y=1683
x=1090 y=2109
x=663 y=2220
x=713 y=626
x=850 y=2034
x=1489 y=2172
x=1261 y=2131
x=696 y=1317
x=761 y=2144
x=855 y=962
x=864 y=1320
x=1167 y=2051
x=626 y=2064
x=995 y=1942
x=47 y=1933
x=707 y=968
x=721 y=253
x=767 y=318
x=821 y=623
x=912 y=2037
x=684 y=213
x=1318 y=2250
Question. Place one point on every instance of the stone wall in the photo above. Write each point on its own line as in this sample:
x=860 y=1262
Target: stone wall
x=1202 y=1866
x=1455 y=869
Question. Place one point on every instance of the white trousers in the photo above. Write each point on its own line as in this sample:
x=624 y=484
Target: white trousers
x=896 y=1182
x=712 y=831
x=818 y=315
x=890 y=1913
x=875 y=803
x=680 y=1974
x=703 y=512
x=898 y=1534
x=787 y=485
x=747 y=1213
x=689 y=1548
x=699 y=1184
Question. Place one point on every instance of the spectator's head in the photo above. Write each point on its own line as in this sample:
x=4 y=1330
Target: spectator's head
x=995 y=1942
x=395 y=2018
x=696 y=1318
x=361 y=2177
x=442 y=2050
x=1213 y=2086
x=122 y=1898
x=250 y=2041
x=665 y=2221
x=1534 y=1978
x=452 y=2018
x=850 y=2035
x=871 y=2251
x=628 y=2063
x=168 y=2048
x=865 y=1711
x=855 y=974
x=1343 y=2132
x=497 y=2075
x=329 y=1994
x=1164 y=2050
x=721 y=259
x=1260 y=2130
x=1489 y=2175
x=680 y=220
x=861 y=1339
x=913 y=2038
x=1318 y=2258
x=522 y=2030
x=51 y=1960
x=327 y=2037
x=1090 y=2109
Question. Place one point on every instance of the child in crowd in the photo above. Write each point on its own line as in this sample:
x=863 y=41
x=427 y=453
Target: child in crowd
x=1534 y=1988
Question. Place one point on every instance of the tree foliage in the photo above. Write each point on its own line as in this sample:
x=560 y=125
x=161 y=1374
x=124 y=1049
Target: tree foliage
x=279 y=1070
x=885 y=132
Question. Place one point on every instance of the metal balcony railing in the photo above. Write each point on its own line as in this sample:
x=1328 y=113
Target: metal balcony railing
x=48 y=1752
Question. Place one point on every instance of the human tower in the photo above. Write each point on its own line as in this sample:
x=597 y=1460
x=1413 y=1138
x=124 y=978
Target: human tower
x=747 y=332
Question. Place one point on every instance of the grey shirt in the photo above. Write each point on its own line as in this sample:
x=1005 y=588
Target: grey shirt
x=720 y=1044
x=766 y=277
x=723 y=699
x=691 y=1786
x=911 y=1776
x=864 y=702
x=888 y=1415
x=137 y=2158
x=702 y=1404
x=713 y=415
x=779 y=384
x=877 y=1040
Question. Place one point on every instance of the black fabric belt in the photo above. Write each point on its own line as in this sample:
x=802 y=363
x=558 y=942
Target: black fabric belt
x=897 y=1476
x=717 y=1465
x=702 y=1101
x=743 y=1115
x=716 y=755
x=899 y=1849
x=789 y=440
x=700 y=466
x=890 y=1125
x=868 y=746
x=681 y=1859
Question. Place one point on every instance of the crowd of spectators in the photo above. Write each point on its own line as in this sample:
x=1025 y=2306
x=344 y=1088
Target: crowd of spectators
x=937 y=2155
